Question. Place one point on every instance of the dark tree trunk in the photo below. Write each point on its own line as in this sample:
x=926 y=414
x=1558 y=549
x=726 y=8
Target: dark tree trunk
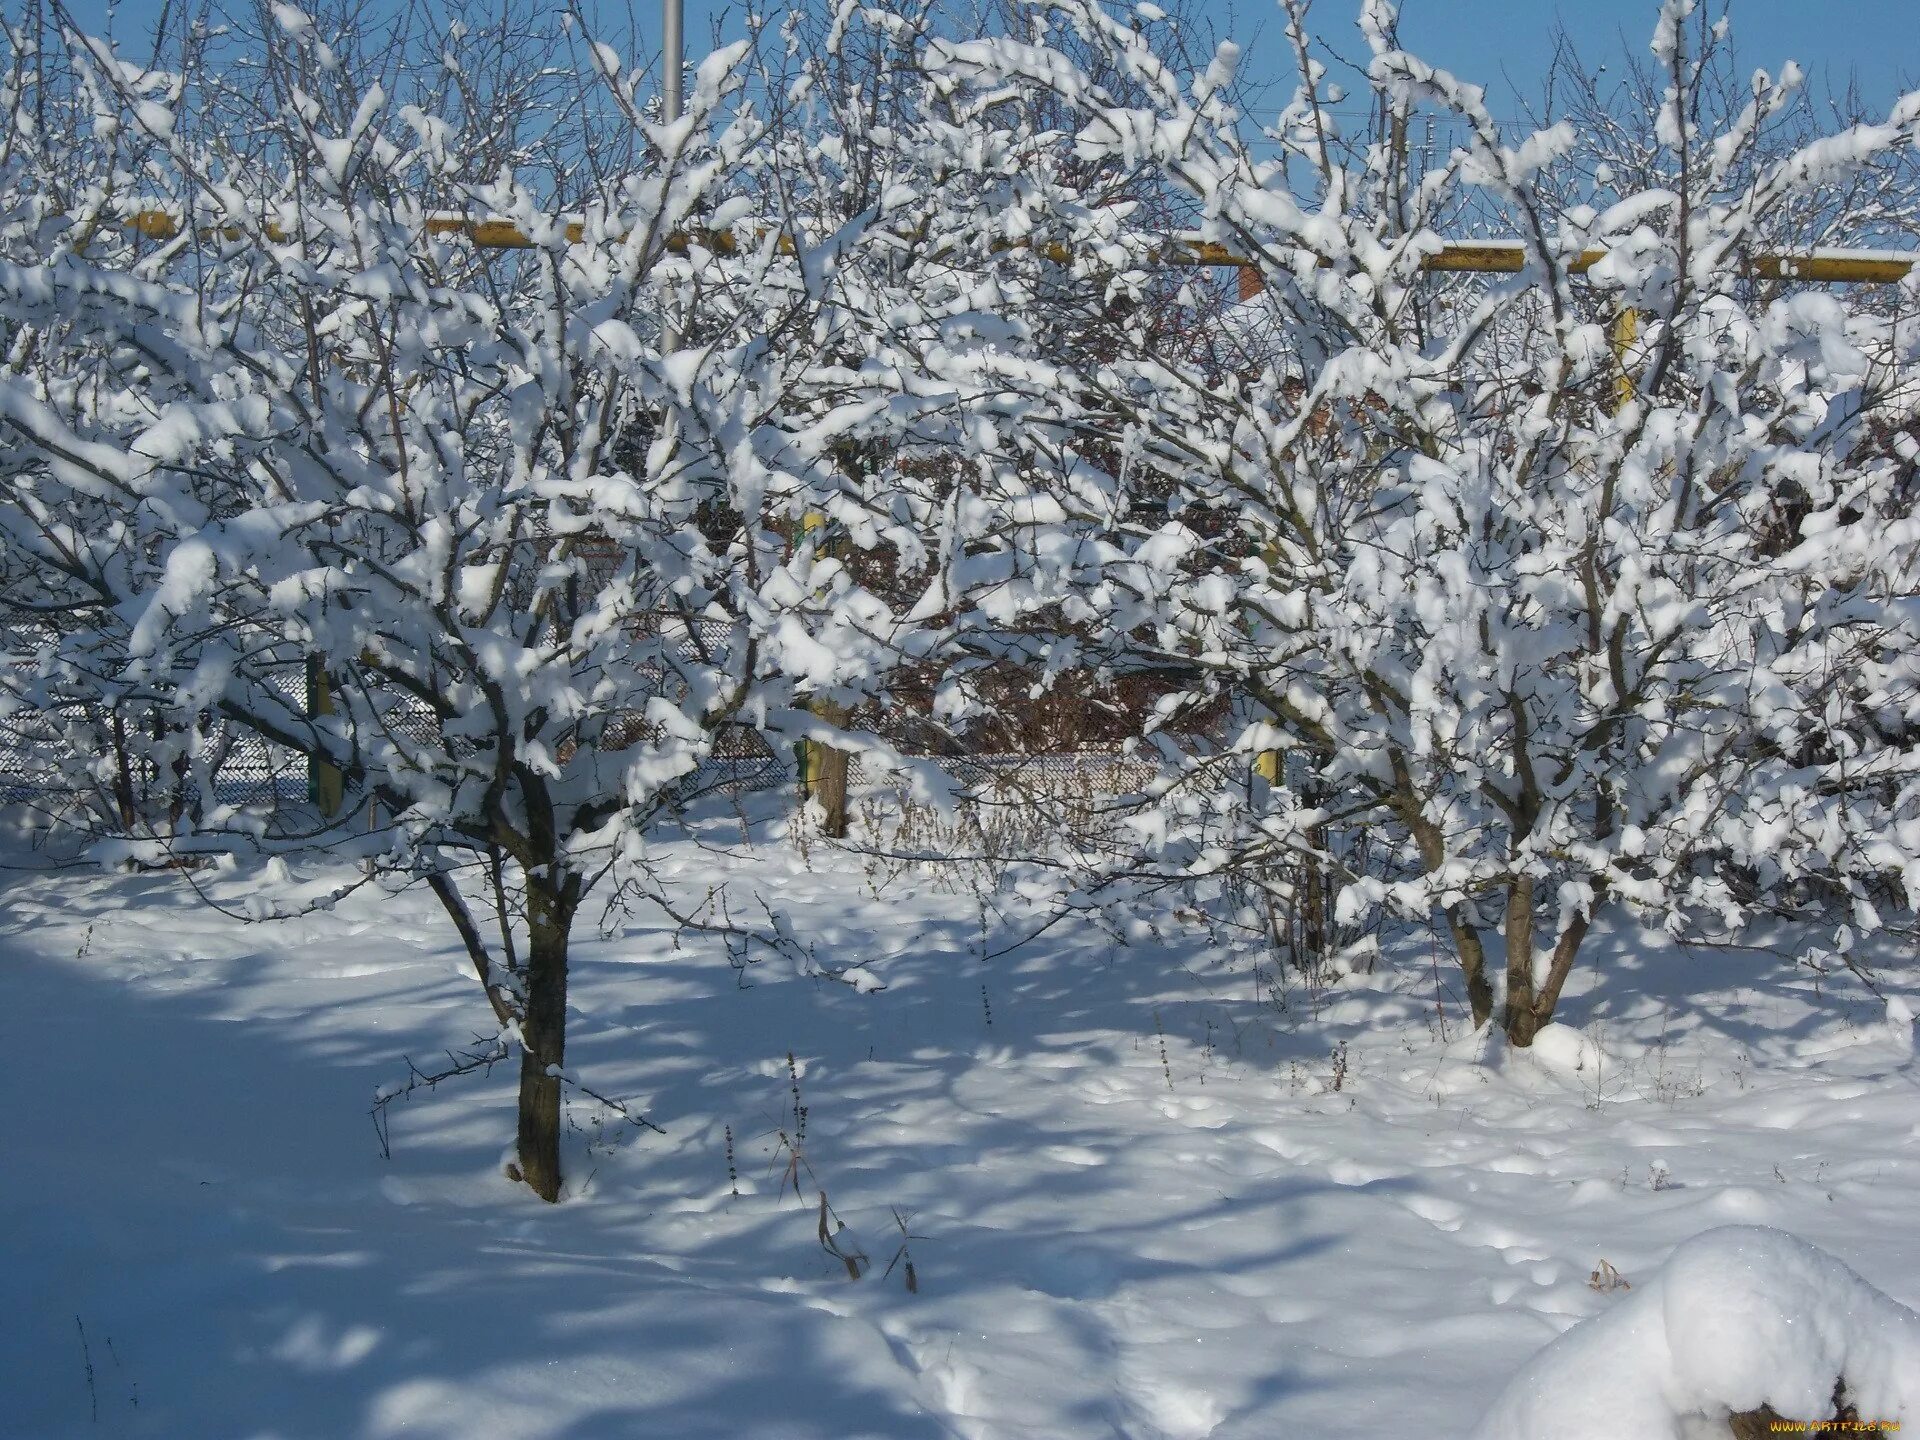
x=1522 y=1026
x=1461 y=920
x=1523 y=1016
x=1473 y=963
x=122 y=775
x=544 y=1028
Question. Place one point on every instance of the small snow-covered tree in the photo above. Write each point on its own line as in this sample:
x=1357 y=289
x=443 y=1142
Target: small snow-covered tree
x=501 y=541
x=1585 y=584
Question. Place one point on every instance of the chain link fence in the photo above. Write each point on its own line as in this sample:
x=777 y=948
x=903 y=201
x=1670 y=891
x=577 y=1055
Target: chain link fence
x=66 y=761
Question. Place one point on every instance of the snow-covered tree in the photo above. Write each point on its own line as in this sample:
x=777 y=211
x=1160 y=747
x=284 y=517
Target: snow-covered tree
x=502 y=542
x=1585 y=584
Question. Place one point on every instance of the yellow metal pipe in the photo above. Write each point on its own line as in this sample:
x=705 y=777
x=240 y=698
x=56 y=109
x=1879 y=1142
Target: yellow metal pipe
x=486 y=234
x=1870 y=267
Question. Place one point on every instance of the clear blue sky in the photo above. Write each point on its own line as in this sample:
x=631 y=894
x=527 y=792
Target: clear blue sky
x=1502 y=44
x=1493 y=42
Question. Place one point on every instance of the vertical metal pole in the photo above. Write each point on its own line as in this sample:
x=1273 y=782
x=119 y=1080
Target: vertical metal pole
x=673 y=60
x=673 y=44
x=325 y=784
x=1266 y=763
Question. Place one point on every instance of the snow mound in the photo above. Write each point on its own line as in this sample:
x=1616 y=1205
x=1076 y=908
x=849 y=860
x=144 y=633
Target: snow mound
x=1567 y=1051
x=1741 y=1317
x=1900 y=1022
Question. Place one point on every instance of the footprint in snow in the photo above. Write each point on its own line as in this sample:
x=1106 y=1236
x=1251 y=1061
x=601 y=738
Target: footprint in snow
x=1071 y=1272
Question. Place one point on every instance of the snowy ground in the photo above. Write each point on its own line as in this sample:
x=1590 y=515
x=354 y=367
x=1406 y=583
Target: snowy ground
x=1320 y=1214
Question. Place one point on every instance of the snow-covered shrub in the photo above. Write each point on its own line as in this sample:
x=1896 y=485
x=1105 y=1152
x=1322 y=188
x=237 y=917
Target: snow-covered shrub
x=1584 y=584
x=1741 y=1318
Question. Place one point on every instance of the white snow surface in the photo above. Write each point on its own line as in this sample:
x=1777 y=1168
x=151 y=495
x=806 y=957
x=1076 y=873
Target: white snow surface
x=1327 y=1211
x=1741 y=1317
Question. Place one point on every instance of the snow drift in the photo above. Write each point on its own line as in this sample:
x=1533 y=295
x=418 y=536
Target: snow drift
x=1741 y=1317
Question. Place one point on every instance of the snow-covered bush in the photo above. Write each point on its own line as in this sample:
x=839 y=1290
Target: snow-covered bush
x=1741 y=1318
x=1584 y=584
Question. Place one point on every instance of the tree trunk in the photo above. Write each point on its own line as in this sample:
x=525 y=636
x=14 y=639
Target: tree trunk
x=1546 y=999
x=122 y=775
x=1473 y=963
x=1523 y=1024
x=1522 y=1016
x=549 y=919
x=1460 y=918
x=1313 y=913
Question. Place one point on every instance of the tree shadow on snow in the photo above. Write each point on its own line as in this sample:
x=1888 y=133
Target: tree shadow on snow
x=202 y=1236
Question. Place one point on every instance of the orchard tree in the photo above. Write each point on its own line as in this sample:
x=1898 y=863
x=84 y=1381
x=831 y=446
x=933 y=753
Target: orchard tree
x=500 y=542
x=1586 y=584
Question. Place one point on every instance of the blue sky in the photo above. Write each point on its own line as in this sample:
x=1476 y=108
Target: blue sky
x=1503 y=44
x=1494 y=41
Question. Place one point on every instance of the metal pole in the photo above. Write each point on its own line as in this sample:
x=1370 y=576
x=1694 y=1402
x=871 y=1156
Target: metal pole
x=673 y=59
x=673 y=44
x=1501 y=257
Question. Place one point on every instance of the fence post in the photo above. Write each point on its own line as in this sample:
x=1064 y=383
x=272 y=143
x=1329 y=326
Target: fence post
x=823 y=777
x=325 y=785
x=823 y=769
x=1266 y=763
x=1626 y=329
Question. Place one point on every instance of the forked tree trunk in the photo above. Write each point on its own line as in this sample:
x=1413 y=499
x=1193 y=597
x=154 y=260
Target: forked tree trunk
x=1523 y=1023
x=1530 y=1006
x=549 y=919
